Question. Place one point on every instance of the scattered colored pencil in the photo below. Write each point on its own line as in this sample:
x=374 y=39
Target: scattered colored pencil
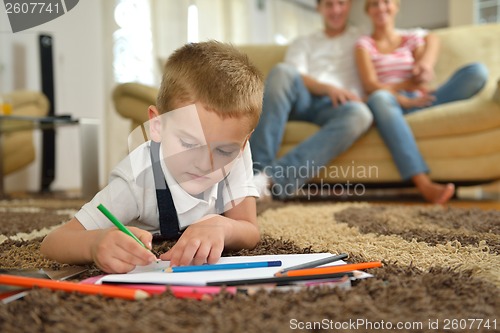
x=14 y=296
x=109 y=291
x=314 y=263
x=154 y=289
x=118 y=224
x=203 y=289
x=217 y=267
x=343 y=283
x=332 y=269
x=280 y=281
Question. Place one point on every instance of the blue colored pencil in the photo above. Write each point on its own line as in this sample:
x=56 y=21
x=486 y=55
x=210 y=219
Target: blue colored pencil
x=216 y=267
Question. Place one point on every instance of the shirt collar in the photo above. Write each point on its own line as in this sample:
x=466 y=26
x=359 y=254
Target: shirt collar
x=183 y=200
x=349 y=31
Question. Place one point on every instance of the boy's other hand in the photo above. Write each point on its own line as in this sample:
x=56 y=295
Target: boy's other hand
x=201 y=243
x=115 y=252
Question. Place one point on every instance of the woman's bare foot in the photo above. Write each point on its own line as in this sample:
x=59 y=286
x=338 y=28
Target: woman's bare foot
x=433 y=192
x=438 y=193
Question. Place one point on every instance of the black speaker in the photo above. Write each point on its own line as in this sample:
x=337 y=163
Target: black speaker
x=48 y=171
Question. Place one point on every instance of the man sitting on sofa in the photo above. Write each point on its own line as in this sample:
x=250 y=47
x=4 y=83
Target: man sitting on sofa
x=318 y=83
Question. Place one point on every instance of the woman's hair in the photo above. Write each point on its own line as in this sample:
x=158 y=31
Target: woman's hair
x=216 y=75
x=318 y=1
x=367 y=4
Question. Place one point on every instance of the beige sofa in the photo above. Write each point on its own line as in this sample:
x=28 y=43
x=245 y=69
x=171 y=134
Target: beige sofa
x=17 y=147
x=460 y=141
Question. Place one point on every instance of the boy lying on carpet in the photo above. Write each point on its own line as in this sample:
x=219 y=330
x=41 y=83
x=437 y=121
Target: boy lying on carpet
x=196 y=167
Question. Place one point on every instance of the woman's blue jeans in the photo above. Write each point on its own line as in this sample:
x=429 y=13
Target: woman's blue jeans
x=394 y=130
x=286 y=98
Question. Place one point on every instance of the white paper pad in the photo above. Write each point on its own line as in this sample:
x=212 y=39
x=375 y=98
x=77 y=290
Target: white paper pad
x=152 y=273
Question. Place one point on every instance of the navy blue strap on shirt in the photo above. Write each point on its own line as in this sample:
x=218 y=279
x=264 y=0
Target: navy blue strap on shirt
x=169 y=221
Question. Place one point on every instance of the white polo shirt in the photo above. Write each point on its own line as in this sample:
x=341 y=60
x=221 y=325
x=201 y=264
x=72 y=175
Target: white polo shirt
x=326 y=59
x=131 y=193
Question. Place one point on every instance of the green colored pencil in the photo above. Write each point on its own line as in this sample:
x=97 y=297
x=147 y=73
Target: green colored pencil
x=118 y=224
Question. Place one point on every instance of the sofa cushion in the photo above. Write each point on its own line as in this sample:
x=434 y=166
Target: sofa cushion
x=466 y=44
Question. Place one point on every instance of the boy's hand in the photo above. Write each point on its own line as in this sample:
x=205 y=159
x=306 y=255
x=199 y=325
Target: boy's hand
x=201 y=242
x=115 y=252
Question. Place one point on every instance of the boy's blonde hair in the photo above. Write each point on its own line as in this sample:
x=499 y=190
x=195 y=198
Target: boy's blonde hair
x=216 y=75
x=367 y=4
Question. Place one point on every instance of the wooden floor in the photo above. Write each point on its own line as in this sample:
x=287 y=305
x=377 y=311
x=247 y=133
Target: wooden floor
x=481 y=197
x=484 y=197
x=465 y=198
x=480 y=204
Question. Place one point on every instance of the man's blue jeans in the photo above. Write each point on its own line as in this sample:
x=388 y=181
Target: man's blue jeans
x=394 y=130
x=286 y=98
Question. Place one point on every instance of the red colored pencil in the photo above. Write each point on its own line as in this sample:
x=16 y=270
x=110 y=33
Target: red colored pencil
x=192 y=295
x=110 y=291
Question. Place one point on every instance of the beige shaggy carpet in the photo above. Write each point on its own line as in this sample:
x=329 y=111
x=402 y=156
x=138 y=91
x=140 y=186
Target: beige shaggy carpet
x=441 y=273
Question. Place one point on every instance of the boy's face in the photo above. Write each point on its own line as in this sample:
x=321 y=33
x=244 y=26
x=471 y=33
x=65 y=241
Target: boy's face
x=200 y=147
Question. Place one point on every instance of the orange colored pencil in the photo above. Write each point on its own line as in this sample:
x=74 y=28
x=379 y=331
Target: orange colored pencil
x=110 y=291
x=332 y=269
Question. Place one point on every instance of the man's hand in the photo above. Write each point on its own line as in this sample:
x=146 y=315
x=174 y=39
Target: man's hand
x=340 y=96
x=337 y=95
x=202 y=242
x=115 y=252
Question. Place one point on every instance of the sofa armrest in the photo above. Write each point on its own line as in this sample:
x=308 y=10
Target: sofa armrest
x=29 y=103
x=131 y=100
x=18 y=149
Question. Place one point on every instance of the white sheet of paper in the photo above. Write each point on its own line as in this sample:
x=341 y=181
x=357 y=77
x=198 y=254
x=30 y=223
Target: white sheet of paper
x=153 y=274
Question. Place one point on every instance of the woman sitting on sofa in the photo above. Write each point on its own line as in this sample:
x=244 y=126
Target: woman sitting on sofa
x=394 y=75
